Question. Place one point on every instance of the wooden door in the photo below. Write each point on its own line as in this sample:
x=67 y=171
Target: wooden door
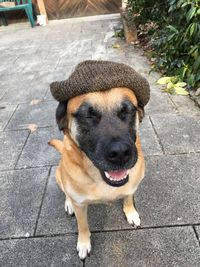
x=76 y=8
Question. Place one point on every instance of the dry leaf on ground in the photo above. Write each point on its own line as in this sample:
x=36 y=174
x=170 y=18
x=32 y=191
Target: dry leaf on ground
x=32 y=127
x=35 y=102
x=116 y=46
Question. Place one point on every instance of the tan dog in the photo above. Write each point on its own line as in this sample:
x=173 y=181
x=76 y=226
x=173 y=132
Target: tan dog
x=101 y=155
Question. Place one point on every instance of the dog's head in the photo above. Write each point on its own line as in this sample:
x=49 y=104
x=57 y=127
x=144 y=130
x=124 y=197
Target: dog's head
x=104 y=126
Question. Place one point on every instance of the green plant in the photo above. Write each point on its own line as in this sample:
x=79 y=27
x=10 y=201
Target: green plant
x=178 y=44
x=176 y=41
x=147 y=10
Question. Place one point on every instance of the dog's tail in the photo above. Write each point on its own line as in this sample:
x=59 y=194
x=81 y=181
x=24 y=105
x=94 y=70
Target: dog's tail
x=57 y=144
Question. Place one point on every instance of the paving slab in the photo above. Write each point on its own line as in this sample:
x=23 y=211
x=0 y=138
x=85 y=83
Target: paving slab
x=174 y=247
x=53 y=218
x=21 y=194
x=7 y=61
x=40 y=252
x=15 y=78
x=6 y=111
x=26 y=92
x=169 y=194
x=68 y=63
x=11 y=144
x=40 y=113
x=34 y=62
x=149 y=140
x=50 y=76
x=184 y=104
x=179 y=133
x=37 y=152
x=159 y=103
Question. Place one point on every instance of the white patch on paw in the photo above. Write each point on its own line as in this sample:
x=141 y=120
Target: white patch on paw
x=83 y=249
x=133 y=218
x=68 y=207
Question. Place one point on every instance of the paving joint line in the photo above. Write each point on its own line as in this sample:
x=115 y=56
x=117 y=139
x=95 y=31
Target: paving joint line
x=42 y=200
x=16 y=59
x=145 y=228
x=103 y=231
x=157 y=136
x=39 y=127
x=38 y=236
x=172 y=101
x=22 y=149
x=4 y=129
x=28 y=168
x=196 y=234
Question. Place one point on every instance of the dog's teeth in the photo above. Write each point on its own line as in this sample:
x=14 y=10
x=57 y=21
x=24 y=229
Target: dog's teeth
x=107 y=175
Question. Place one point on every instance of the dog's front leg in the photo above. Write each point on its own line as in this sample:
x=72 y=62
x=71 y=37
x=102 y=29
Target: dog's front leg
x=132 y=215
x=84 y=244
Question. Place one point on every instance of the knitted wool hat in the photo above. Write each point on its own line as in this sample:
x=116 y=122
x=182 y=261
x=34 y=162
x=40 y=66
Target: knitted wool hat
x=91 y=76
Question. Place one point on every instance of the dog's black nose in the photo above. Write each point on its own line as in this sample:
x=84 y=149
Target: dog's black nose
x=118 y=153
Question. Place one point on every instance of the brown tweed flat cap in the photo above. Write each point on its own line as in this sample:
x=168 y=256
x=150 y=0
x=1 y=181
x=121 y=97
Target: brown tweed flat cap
x=93 y=76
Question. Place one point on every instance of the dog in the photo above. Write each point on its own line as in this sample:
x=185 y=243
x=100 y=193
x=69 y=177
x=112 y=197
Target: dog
x=101 y=154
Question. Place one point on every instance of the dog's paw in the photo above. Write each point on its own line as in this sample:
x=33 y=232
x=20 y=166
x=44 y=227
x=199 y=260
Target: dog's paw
x=133 y=218
x=83 y=249
x=68 y=207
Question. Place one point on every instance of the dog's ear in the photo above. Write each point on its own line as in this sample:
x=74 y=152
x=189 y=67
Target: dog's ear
x=141 y=113
x=61 y=115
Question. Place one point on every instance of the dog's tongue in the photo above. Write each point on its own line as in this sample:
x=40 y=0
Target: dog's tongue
x=118 y=175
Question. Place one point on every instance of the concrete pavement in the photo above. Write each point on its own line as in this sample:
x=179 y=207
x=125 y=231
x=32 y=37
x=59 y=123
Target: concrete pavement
x=34 y=229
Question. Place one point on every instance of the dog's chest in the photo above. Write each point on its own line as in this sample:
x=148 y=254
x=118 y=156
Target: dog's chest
x=100 y=193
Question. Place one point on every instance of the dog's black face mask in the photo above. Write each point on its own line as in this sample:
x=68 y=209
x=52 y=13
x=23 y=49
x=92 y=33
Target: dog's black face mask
x=108 y=138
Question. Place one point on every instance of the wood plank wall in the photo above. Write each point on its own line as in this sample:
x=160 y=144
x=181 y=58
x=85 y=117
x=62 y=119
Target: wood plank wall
x=76 y=8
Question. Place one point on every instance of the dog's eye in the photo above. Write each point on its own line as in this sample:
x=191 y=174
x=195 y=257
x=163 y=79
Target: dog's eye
x=125 y=111
x=93 y=114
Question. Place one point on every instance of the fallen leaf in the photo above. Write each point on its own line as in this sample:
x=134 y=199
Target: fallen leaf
x=116 y=46
x=180 y=91
x=170 y=85
x=35 y=102
x=181 y=84
x=164 y=80
x=32 y=127
x=169 y=90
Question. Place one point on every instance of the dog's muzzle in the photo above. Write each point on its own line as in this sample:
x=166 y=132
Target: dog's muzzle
x=121 y=156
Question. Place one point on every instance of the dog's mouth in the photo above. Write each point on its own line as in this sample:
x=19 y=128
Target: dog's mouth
x=116 y=178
